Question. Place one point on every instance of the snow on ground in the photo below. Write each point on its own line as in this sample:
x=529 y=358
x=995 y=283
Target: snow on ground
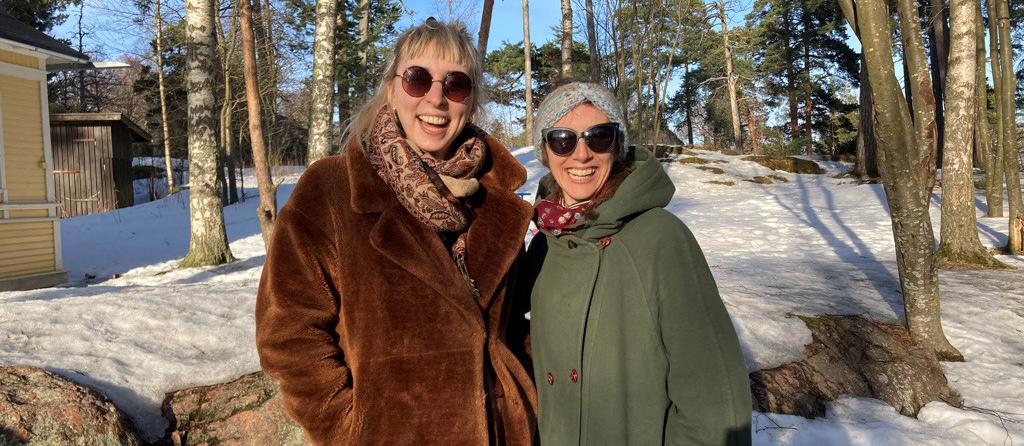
x=135 y=326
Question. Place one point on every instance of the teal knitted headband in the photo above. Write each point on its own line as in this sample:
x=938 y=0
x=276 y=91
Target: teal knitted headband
x=563 y=99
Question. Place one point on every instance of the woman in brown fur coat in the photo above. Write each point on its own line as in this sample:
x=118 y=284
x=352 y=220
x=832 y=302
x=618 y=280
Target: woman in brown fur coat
x=382 y=310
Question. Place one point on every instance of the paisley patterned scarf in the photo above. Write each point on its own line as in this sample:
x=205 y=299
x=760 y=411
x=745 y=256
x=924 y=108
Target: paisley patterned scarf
x=433 y=191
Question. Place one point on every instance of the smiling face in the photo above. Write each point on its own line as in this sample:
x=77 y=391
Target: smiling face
x=582 y=173
x=432 y=121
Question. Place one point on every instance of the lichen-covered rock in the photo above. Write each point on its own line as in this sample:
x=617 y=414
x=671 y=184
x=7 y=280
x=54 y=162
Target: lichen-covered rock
x=853 y=356
x=786 y=163
x=246 y=411
x=760 y=180
x=40 y=407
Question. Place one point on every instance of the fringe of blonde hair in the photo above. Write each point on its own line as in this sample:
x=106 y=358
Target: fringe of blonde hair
x=448 y=41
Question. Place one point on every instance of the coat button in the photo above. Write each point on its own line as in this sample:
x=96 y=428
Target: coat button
x=574 y=375
x=551 y=379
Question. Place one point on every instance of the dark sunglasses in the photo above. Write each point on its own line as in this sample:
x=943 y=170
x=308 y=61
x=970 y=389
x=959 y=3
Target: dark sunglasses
x=600 y=138
x=456 y=85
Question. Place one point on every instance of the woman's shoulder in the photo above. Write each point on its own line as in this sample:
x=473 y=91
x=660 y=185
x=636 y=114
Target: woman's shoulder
x=658 y=230
x=323 y=182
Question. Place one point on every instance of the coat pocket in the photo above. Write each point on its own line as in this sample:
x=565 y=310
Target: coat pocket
x=423 y=398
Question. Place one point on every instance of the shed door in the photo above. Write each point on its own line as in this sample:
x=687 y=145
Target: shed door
x=82 y=169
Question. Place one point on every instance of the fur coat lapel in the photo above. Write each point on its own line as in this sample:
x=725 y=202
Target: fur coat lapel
x=494 y=240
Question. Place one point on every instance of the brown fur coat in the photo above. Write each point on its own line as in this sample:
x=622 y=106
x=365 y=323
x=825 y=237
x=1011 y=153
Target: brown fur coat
x=367 y=324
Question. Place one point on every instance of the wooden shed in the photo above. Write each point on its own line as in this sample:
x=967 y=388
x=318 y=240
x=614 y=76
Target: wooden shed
x=30 y=250
x=92 y=161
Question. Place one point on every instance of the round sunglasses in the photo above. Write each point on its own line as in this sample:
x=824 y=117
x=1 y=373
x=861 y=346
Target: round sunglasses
x=456 y=85
x=600 y=138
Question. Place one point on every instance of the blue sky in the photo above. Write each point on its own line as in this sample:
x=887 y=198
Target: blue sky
x=111 y=33
x=506 y=21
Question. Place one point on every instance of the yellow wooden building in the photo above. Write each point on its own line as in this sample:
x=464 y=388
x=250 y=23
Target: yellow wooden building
x=30 y=246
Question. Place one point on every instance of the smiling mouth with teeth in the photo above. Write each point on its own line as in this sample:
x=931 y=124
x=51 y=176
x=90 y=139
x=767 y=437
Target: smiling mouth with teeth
x=582 y=173
x=434 y=120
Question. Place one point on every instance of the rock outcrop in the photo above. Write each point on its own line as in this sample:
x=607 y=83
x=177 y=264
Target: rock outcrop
x=246 y=411
x=786 y=163
x=41 y=407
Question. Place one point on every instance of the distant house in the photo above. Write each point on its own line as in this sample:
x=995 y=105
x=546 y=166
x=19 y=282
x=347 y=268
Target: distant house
x=29 y=227
x=92 y=159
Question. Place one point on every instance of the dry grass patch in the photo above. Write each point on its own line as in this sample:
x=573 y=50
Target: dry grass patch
x=760 y=180
x=723 y=183
x=779 y=178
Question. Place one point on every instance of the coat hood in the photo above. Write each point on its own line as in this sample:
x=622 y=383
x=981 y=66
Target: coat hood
x=647 y=187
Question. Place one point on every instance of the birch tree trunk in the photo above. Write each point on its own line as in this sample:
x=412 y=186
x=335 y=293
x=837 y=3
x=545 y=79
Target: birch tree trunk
x=163 y=99
x=1011 y=161
x=566 y=71
x=905 y=150
x=983 y=140
x=485 y=29
x=595 y=61
x=734 y=107
x=322 y=84
x=266 y=212
x=208 y=244
x=527 y=71
x=959 y=244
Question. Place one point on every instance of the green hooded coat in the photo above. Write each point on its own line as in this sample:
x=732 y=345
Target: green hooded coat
x=631 y=342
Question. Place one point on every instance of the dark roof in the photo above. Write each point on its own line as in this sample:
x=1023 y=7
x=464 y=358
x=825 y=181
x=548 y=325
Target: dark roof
x=16 y=31
x=138 y=134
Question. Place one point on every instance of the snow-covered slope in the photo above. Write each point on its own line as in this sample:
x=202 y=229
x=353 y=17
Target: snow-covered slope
x=814 y=244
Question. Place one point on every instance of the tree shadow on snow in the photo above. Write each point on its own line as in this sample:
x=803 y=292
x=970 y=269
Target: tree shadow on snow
x=848 y=246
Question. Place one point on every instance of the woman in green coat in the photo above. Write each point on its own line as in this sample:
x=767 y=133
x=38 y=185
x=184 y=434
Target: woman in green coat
x=631 y=342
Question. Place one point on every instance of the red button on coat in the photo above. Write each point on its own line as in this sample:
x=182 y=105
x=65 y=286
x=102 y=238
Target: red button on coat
x=551 y=378
x=575 y=376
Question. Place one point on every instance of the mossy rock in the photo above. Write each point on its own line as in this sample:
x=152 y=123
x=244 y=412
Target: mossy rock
x=721 y=183
x=714 y=170
x=760 y=180
x=787 y=164
x=693 y=160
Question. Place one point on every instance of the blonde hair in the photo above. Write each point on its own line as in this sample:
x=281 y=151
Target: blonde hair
x=448 y=41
